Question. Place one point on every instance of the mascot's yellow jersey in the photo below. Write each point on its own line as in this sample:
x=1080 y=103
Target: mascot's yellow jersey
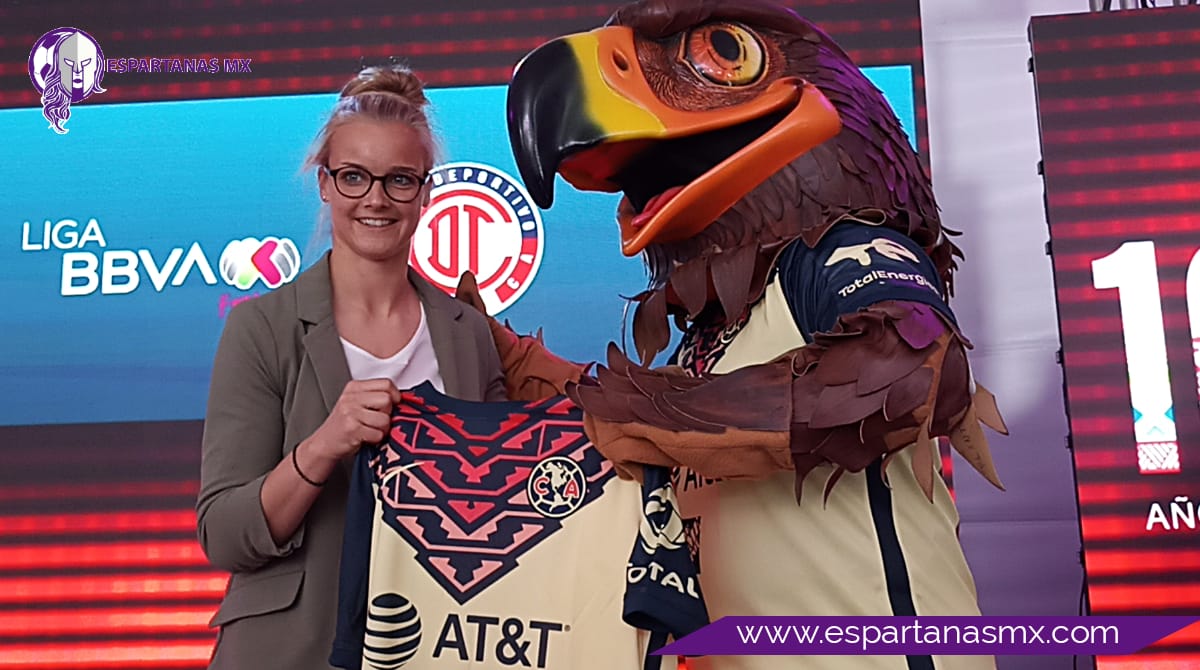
x=874 y=547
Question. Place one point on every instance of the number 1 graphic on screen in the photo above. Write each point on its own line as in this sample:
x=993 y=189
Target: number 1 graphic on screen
x=1133 y=270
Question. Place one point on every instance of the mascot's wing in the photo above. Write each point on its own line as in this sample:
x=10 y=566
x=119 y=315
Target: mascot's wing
x=884 y=378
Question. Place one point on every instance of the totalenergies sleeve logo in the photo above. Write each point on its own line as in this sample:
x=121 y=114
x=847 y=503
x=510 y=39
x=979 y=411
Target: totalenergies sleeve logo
x=275 y=261
x=66 y=66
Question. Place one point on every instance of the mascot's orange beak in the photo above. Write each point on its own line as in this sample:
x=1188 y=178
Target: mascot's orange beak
x=581 y=106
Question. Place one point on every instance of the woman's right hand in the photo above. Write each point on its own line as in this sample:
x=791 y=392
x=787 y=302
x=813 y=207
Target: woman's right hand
x=362 y=415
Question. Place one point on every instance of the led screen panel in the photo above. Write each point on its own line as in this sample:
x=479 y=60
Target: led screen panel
x=1117 y=99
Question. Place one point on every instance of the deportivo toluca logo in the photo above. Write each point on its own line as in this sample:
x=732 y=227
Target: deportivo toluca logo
x=479 y=219
x=467 y=509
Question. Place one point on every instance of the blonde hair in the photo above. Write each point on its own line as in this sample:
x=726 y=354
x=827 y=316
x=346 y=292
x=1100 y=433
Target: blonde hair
x=384 y=93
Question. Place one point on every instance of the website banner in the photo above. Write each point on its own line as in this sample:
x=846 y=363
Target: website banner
x=917 y=636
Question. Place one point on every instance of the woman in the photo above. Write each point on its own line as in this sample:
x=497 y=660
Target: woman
x=307 y=374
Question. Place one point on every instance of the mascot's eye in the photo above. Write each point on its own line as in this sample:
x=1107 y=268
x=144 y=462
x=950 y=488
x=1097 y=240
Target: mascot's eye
x=724 y=53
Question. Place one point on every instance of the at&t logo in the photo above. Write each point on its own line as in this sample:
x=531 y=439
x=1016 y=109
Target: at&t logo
x=479 y=219
x=393 y=633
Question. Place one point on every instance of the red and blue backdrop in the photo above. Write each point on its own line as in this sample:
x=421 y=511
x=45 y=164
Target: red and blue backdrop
x=114 y=291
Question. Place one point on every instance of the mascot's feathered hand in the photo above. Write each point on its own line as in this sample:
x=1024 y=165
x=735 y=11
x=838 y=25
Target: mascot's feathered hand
x=756 y=161
x=531 y=372
x=884 y=378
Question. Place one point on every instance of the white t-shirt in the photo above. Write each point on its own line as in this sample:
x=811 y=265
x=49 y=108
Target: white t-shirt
x=407 y=368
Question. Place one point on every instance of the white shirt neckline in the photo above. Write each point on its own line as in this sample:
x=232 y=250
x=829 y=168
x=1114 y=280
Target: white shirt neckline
x=414 y=363
x=402 y=356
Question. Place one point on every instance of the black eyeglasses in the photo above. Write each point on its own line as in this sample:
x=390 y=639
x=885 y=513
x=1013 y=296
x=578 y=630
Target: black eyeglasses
x=355 y=182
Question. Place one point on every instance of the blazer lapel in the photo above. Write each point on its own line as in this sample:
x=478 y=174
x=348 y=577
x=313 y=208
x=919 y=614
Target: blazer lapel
x=314 y=295
x=450 y=344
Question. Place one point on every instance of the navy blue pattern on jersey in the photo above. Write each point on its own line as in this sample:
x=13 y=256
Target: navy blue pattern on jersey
x=704 y=343
x=472 y=492
x=663 y=592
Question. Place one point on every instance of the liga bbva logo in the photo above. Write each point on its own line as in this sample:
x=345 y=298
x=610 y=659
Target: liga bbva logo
x=91 y=265
x=479 y=219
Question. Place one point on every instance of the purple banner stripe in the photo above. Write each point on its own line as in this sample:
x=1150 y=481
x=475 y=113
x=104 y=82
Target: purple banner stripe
x=967 y=636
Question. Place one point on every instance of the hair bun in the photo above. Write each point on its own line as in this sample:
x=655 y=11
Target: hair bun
x=389 y=93
x=392 y=79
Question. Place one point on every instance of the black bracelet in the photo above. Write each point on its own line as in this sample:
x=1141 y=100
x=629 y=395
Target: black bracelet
x=296 y=464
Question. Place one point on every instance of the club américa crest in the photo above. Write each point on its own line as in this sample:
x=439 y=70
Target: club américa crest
x=556 y=487
x=479 y=219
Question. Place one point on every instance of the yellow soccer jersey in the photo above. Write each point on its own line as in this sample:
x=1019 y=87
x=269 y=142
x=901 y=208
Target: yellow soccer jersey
x=874 y=547
x=489 y=536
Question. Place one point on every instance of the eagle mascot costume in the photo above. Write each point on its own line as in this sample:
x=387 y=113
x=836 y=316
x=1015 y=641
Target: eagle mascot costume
x=790 y=231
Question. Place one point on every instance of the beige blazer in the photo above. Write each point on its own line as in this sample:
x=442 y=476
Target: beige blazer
x=279 y=369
